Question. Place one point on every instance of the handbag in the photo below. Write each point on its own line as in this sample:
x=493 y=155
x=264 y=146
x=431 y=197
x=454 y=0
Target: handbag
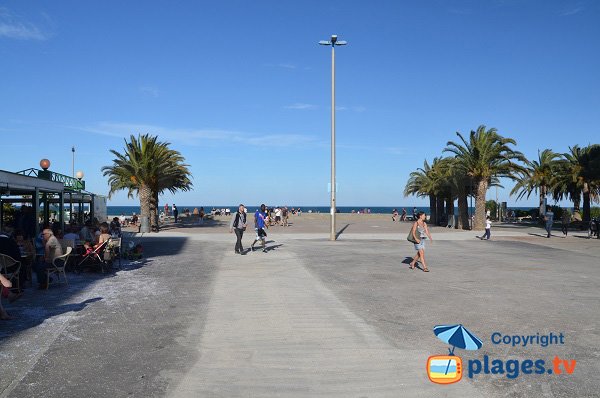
x=410 y=237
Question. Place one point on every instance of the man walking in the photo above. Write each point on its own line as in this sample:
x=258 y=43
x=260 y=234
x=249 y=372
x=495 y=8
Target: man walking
x=259 y=225
x=238 y=223
x=175 y=212
x=549 y=218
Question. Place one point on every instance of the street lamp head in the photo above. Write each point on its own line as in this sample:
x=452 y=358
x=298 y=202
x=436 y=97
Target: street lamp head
x=333 y=39
x=341 y=43
x=325 y=43
x=45 y=164
x=79 y=175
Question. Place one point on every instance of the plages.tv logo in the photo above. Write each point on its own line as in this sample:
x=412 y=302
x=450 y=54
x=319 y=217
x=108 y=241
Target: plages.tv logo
x=447 y=369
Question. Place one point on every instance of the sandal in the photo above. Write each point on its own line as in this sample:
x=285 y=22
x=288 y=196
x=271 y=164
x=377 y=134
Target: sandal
x=425 y=269
x=411 y=266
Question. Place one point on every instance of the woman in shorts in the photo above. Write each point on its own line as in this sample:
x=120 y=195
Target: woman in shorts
x=420 y=233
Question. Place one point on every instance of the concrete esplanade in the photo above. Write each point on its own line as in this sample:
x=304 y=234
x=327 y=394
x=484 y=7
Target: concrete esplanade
x=313 y=318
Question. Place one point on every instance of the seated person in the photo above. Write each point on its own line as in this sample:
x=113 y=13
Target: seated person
x=5 y=284
x=52 y=249
x=70 y=234
x=115 y=227
x=88 y=248
x=104 y=235
x=86 y=233
x=9 y=246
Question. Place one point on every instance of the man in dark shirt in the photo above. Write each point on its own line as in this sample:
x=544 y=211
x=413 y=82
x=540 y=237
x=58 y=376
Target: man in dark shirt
x=9 y=247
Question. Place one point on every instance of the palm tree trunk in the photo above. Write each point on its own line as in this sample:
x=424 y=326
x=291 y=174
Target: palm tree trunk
x=145 y=195
x=450 y=206
x=479 y=222
x=439 y=209
x=463 y=210
x=542 y=202
x=432 y=210
x=586 y=202
x=154 y=212
x=577 y=203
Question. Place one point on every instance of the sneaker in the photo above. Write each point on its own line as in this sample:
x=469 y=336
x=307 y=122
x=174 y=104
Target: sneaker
x=264 y=250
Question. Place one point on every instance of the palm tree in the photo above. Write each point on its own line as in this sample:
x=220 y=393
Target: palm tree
x=484 y=156
x=578 y=176
x=537 y=176
x=147 y=167
x=422 y=184
x=174 y=176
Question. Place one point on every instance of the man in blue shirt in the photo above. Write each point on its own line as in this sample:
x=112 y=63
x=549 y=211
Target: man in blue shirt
x=259 y=226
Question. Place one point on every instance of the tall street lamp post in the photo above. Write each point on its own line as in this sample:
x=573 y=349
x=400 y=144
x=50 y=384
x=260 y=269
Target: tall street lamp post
x=332 y=42
x=70 y=194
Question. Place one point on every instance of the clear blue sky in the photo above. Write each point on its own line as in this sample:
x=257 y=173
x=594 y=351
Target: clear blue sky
x=242 y=89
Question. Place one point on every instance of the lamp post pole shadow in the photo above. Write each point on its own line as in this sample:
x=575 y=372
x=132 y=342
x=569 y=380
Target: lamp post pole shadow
x=333 y=42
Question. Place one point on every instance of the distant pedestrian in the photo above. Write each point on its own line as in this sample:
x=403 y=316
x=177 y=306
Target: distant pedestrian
x=395 y=215
x=488 y=229
x=420 y=233
x=566 y=220
x=415 y=213
x=175 y=212
x=285 y=216
x=238 y=224
x=403 y=216
x=260 y=219
x=166 y=209
x=549 y=218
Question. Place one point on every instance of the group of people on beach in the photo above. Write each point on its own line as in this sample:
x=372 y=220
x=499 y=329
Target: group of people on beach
x=404 y=215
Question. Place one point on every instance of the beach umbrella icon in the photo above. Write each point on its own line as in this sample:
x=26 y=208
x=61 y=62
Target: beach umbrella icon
x=457 y=336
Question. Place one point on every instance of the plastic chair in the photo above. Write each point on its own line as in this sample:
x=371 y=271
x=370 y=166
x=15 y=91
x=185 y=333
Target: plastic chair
x=114 y=248
x=59 y=263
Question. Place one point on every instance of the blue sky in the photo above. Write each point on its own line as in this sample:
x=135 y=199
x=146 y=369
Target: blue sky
x=242 y=89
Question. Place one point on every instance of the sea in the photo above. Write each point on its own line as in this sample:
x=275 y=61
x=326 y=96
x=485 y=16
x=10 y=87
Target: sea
x=129 y=210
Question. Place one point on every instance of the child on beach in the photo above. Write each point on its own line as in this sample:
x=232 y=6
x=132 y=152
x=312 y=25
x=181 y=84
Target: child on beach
x=488 y=229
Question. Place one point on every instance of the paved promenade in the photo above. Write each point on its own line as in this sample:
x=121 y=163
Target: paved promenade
x=309 y=318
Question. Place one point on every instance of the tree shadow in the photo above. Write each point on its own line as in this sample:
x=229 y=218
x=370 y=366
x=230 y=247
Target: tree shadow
x=35 y=305
x=195 y=223
x=27 y=316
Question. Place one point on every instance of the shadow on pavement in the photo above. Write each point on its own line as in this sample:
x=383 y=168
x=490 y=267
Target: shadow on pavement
x=194 y=224
x=36 y=306
x=341 y=231
x=35 y=315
